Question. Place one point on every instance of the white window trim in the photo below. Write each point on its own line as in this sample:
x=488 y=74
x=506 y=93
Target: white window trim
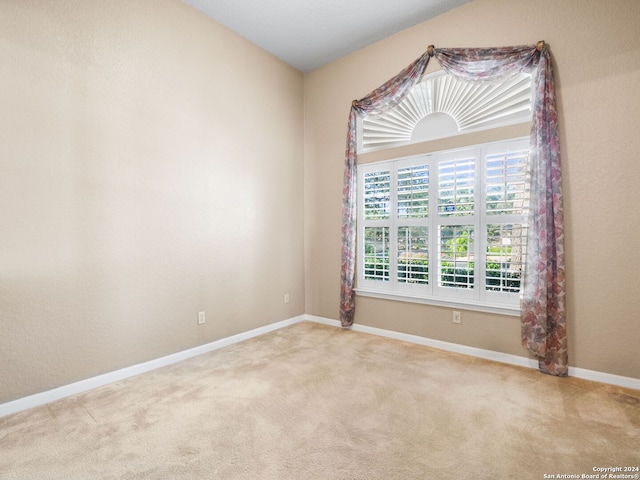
x=480 y=299
x=468 y=304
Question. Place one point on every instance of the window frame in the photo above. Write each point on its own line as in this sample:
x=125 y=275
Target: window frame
x=478 y=298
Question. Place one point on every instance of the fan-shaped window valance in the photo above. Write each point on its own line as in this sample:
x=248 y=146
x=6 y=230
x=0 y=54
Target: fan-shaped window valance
x=442 y=105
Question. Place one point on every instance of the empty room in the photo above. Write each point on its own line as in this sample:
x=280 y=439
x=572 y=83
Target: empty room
x=319 y=240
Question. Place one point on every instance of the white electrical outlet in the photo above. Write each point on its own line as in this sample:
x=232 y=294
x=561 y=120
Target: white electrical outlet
x=201 y=318
x=456 y=317
x=286 y=298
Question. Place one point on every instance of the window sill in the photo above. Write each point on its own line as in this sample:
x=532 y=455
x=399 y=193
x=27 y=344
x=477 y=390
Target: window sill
x=497 y=308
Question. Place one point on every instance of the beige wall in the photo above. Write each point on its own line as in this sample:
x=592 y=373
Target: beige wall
x=596 y=49
x=150 y=168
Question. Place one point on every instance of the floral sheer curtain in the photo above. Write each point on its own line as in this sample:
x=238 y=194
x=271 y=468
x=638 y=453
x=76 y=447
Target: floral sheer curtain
x=543 y=316
x=379 y=101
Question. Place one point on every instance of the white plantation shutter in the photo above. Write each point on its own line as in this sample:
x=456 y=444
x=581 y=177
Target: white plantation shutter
x=413 y=255
x=376 y=253
x=456 y=260
x=505 y=253
x=376 y=201
x=460 y=240
x=377 y=195
x=456 y=187
x=412 y=240
x=413 y=191
x=506 y=174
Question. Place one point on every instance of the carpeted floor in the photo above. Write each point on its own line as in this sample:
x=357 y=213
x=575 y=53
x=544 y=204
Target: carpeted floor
x=316 y=402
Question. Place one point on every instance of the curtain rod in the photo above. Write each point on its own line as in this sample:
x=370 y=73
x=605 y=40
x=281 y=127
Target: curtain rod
x=539 y=46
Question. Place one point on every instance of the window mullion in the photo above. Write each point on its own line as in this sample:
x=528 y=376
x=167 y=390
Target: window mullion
x=433 y=222
x=393 y=229
x=481 y=226
x=436 y=222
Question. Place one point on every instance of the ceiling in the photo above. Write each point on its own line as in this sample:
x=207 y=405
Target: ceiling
x=309 y=33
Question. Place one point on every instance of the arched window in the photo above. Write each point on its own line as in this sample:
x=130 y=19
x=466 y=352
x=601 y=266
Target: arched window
x=442 y=105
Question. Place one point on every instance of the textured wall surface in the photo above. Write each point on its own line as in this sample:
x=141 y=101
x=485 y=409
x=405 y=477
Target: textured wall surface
x=596 y=50
x=150 y=168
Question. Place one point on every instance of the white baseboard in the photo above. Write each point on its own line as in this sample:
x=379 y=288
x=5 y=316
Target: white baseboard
x=627 y=382
x=49 y=396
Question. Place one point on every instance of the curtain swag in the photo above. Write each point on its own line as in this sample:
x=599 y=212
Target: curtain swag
x=543 y=314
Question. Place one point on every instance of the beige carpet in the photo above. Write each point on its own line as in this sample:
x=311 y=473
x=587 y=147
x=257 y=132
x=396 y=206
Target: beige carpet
x=316 y=402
